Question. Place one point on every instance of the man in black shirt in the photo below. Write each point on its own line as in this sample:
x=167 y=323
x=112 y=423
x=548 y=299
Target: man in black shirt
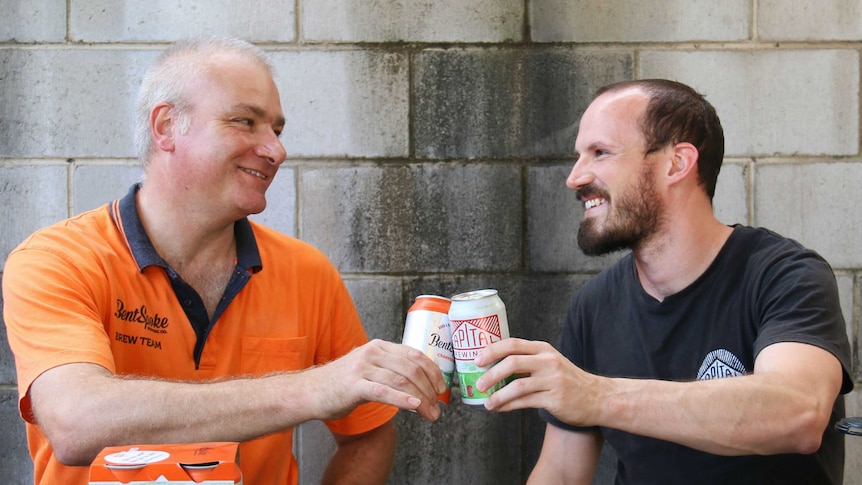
x=710 y=353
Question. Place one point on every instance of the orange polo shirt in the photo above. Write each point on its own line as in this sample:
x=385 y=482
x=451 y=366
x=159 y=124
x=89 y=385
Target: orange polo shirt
x=93 y=289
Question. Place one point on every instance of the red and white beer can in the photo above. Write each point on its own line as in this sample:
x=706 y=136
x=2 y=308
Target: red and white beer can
x=427 y=329
x=477 y=318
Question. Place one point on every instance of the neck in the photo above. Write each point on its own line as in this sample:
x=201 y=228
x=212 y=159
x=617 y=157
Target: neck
x=680 y=254
x=184 y=235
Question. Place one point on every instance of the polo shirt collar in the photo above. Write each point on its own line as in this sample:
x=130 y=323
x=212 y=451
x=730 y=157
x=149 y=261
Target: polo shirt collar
x=247 y=253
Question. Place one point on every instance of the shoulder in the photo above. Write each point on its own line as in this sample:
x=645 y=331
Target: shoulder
x=71 y=239
x=764 y=250
x=760 y=240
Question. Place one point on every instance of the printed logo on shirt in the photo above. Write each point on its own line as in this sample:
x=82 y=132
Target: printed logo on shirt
x=720 y=363
x=150 y=322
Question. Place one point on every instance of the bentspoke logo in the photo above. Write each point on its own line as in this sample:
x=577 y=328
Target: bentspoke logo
x=154 y=323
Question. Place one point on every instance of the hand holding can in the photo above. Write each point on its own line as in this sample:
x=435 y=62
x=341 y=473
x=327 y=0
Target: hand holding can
x=427 y=329
x=476 y=318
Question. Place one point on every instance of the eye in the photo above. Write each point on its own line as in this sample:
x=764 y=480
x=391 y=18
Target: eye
x=244 y=121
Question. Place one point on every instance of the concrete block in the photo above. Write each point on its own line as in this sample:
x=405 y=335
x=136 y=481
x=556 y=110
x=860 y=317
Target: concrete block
x=280 y=212
x=15 y=460
x=380 y=304
x=809 y=20
x=412 y=21
x=730 y=203
x=95 y=185
x=8 y=376
x=168 y=20
x=845 y=294
x=553 y=218
x=69 y=103
x=472 y=103
x=814 y=203
x=33 y=21
x=857 y=310
x=644 y=21
x=414 y=218
x=32 y=196
x=759 y=96
x=313 y=448
x=464 y=445
x=344 y=103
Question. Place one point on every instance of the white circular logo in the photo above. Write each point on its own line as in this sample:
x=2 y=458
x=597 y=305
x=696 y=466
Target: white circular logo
x=135 y=456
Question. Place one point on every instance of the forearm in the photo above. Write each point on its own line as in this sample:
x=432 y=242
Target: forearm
x=363 y=459
x=784 y=406
x=128 y=410
x=568 y=457
x=73 y=400
x=752 y=414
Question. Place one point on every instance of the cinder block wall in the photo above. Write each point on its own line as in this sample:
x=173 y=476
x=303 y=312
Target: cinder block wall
x=428 y=146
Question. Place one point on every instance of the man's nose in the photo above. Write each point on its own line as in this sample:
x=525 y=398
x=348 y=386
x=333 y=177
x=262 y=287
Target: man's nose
x=272 y=149
x=578 y=177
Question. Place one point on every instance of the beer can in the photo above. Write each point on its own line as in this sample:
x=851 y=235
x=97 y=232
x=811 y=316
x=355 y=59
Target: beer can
x=427 y=329
x=477 y=318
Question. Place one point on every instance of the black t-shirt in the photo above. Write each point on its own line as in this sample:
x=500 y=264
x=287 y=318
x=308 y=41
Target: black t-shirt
x=760 y=289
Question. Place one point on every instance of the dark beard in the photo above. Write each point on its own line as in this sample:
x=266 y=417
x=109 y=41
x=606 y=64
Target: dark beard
x=635 y=218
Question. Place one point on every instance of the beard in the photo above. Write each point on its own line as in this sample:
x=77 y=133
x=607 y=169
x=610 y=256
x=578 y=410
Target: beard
x=634 y=217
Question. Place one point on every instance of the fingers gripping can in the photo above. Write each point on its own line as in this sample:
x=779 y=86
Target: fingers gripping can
x=477 y=318
x=427 y=329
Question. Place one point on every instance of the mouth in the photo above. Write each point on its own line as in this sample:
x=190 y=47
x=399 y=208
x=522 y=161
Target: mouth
x=595 y=202
x=255 y=173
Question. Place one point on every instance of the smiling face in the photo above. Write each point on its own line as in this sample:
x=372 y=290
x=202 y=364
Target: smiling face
x=613 y=177
x=227 y=156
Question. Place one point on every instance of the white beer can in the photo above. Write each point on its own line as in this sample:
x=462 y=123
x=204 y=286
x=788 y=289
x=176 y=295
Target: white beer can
x=477 y=318
x=427 y=329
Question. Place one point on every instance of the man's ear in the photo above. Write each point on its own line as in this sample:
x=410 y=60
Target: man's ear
x=684 y=157
x=163 y=126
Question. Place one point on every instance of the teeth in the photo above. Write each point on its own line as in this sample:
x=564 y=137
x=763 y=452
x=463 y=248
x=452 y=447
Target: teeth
x=594 y=202
x=255 y=173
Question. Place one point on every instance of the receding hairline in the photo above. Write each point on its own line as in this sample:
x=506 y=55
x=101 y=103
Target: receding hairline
x=205 y=47
x=623 y=91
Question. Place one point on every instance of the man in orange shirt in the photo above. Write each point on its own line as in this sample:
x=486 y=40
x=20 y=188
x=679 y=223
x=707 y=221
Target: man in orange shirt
x=167 y=316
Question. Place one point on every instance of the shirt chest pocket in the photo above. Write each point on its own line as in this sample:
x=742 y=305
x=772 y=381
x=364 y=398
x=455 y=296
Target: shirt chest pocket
x=262 y=355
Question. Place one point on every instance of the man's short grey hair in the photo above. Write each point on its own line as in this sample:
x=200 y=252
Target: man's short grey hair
x=170 y=78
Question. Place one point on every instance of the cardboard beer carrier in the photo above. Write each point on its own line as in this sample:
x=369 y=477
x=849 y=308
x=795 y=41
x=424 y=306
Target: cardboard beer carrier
x=186 y=464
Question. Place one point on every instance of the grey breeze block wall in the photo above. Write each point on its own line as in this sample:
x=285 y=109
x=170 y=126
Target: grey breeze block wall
x=428 y=147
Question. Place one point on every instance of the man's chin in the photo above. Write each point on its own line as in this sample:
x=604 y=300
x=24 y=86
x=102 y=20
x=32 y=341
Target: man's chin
x=255 y=207
x=594 y=244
